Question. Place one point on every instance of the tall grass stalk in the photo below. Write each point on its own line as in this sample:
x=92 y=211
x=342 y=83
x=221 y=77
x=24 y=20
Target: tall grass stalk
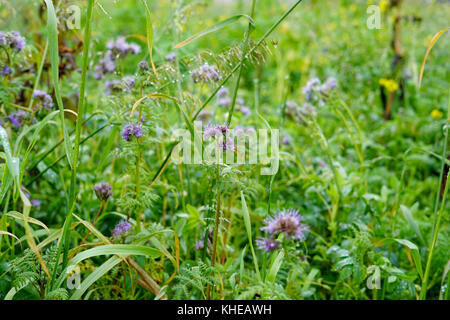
x=438 y=213
x=64 y=241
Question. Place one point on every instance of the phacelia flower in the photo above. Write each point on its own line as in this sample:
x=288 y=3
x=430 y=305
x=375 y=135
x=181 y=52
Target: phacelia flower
x=171 y=57
x=17 y=118
x=44 y=98
x=224 y=102
x=245 y=110
x=5 y=70
x=310 y=88
x=103 y=191
x=268 y=244
x=288 y=222
x=199 y=245
x=223 y=91
x=210 y=131
x=122 y=48
x=130 y=130
x=227 y=144
x=286 y=140
x=205 y=73
x=121 y=228
x=143 y=65
x=12 y=40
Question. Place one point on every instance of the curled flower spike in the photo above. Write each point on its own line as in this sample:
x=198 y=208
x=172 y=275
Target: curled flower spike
x=205 y=73
x=199 y=245
x=227 y=144
x=268 y=244
x=5 y=70
x=12 y=40
x=223 y=91
x=17 y=118
x=103 y=191
x=121 y=228
x=143 y=65
x=288 y=222
x=130 y=130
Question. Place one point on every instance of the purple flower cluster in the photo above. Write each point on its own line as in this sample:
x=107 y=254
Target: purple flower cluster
x=206 y=73
x=17 y=118
x=122 y=48
x=103 y=191
x=121 y=228
x=314 y=90
x=300 y=114
x=288 y=222
x=116 y=48
x=143 y=65
x=225 y=101
x=220 y=130
x=12 y=40
x=130 y=130
x=199 y=245
x=268 y=244
x=44 y=98
x=171 y=57
x=5 y=70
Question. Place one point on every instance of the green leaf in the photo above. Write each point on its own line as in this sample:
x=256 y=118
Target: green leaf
x=94 y=276
x=412 y=223
x=275 y=267
x=214 y=28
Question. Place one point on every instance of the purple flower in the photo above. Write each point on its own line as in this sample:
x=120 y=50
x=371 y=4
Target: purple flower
x=227 y=144
x=122 y=48
x=210 y=131
x=103 y=191
x=130 y=130
x=143 y=65
x=17 y=118
x=245 y=111
x=240 y=101
x=224 y=102
x=121 y=228
x=12 y=40
x=199 y=245
x=44 y=97
x=223 y=91
x=205 y=73
x=5 y=70
x=311 y=87
x=35 y=203
x=222 y=128
x=268 y=244
x=171 y=57
x=288 y=222
x=329 y=85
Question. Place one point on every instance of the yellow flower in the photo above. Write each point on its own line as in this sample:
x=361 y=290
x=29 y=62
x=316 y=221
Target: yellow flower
x=389 y=84
x=436 y=114
x=384 y=5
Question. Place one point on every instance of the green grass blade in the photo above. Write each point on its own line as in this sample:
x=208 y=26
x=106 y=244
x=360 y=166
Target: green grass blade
x=214 y=28
x=54 y=59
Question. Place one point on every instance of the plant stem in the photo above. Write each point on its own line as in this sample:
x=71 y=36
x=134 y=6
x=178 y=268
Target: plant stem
x=437 y=215
x=64 y=241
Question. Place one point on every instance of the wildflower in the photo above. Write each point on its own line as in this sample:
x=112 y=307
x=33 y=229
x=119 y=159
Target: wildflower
x=171 y=57
x=288 y=222
x=121 y=228
x=105 y=65
x=210 y=131
x=35 y=203
x=245 y=110
x=12 y=40
x=131 y=129
x=268 y=244
x=103 y=191
x=224 y=102
x=122 y=48
x=205 y=73
x=389 y=84
x=17 y=117
x=143 y=65
x=5 y=70
x=310 y=88
x=436 y=114
x=227 y=144
x=44 y=97
x=199 y=245
x=286 y=140
x=129 y=81
x=223 y=91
